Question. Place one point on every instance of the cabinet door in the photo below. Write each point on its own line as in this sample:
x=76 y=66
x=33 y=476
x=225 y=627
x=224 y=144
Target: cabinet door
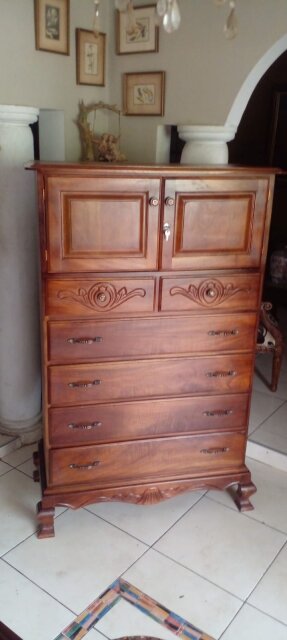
x=102 y=224
x=214 y=223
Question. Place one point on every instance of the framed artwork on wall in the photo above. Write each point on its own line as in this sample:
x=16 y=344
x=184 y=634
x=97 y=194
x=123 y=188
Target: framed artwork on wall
x=90 y=57
x=278 y=139
x=143 y=93
x=140 y=37
x=52 y=25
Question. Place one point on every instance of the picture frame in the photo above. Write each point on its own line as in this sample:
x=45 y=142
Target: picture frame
x=278 y=134
x=146 y=38
x=52 y=25
x=143 y=93
x=90 y=57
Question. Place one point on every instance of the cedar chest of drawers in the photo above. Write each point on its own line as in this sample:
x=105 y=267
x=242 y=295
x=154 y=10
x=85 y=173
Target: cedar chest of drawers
x=151 y=287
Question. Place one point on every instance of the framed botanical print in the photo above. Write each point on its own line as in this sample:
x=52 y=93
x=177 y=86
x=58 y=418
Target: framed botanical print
x=90 y=55
x=52 y=25
x=143 y=93
x=141 y=36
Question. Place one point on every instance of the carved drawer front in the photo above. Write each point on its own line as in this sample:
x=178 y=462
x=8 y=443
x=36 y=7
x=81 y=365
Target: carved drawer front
x=95 y=340
x=102 y=224
x=149 y=378
x=147 y=460
x=210 y=293
x=146 y=419
x=72 y=297
x=215 y=223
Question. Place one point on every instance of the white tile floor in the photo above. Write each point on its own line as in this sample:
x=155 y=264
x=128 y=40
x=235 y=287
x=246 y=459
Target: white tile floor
x=223 y=571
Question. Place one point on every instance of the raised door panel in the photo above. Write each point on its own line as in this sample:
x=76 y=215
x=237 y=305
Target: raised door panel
x=102 y=224
x=215 y=223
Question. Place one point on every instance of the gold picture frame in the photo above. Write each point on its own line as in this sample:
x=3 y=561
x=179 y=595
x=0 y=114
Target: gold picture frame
x=143 y=93
x=52 y=25
x=90 y=57
x=145 y=38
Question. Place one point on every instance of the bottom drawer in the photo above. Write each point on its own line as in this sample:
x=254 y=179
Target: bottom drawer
x=147 y=460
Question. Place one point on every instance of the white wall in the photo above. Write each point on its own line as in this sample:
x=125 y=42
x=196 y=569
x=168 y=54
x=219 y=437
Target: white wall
x=204 y=71
x=42 y=79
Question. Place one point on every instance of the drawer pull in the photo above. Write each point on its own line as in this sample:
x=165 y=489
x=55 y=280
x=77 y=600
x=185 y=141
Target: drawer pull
x=84 y=340
x=87 y=427
x=218 y=413
x=215 y=451
x=153 y=202
x=224 y=334
x=221 y=374
x=84 y=385
x=90 y=465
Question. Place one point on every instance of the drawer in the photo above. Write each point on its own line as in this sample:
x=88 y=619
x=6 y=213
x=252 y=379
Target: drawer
x=210 y=293
x=146 y=419
x=91 y=297
x=147 y=460
x=91 y=383
x=74 y=341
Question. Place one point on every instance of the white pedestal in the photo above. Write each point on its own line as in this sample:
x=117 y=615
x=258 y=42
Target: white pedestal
x=20 y=385
x=205 y=144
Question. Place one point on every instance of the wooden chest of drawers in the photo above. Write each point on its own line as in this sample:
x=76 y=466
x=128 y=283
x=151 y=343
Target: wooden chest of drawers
x=151 y=285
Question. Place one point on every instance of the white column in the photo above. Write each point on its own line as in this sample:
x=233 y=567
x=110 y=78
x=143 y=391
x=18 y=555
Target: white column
x=20 y=386
x=205 y=144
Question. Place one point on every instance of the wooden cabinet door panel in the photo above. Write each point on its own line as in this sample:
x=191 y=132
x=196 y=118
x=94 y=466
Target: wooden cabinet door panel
x=147 y=460
x=116 y=422
x=215 y=223
x=80 y=341
x=104 y=224
x=89 y=383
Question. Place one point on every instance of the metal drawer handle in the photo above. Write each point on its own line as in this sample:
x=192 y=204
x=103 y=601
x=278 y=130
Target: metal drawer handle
x=90 y=465
x=215 y=451
x=218 y=413
x=169 y=202
x=166 y=231
x=84 y=385
x=86 y=427
x=221 y=374
x=224 y=334
x=84 y=340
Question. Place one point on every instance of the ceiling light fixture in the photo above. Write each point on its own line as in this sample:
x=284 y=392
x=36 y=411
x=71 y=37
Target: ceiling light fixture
x=169 y=14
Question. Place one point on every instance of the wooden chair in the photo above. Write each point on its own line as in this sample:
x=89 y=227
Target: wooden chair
x=270 y=340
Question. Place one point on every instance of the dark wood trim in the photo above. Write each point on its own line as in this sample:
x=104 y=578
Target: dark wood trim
x=7 y=634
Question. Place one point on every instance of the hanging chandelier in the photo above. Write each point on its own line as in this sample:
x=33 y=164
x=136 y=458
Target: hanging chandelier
x=168 y=14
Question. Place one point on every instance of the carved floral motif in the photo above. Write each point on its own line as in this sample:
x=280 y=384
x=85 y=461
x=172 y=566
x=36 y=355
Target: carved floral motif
x=209 y=292
x=102 y=296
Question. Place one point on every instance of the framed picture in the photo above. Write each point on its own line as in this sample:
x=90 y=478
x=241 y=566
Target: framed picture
x=143 y=93
x=90 y=53
x=143 y=38
x=52 y=25
x=278 y=138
